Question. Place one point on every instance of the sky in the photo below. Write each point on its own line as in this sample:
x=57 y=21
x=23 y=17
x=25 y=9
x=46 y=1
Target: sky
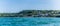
x=14 y=6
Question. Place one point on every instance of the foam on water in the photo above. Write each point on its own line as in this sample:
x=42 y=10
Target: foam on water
x=29 y=21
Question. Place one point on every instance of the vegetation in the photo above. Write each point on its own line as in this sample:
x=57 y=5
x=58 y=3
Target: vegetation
x=33 y=13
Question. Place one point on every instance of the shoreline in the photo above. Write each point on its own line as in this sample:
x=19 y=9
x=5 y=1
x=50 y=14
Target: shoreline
x=33 y=13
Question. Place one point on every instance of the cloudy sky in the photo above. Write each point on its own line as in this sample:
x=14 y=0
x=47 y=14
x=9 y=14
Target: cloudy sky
x=13 y=6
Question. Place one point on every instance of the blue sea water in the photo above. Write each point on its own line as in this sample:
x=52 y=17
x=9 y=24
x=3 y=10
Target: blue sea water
x=29 y=21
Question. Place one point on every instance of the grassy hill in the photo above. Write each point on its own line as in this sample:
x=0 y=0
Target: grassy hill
x=33 y=13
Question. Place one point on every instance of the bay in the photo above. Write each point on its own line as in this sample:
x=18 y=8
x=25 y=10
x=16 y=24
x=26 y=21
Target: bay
x=29 y=21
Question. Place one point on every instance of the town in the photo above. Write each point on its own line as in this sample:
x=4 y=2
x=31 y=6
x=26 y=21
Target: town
x=33 y=13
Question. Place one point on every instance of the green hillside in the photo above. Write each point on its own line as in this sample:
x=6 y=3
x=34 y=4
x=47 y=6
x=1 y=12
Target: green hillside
x=33 y=13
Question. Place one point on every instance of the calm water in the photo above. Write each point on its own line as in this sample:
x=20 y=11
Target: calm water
x=29 y=21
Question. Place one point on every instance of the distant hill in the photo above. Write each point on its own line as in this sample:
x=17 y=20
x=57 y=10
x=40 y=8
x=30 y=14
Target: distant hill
x=40 y=13
x=33 y=13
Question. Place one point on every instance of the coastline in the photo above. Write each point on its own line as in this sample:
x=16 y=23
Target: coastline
x=33 y=13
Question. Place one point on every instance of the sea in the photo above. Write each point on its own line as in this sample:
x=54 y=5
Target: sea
x=29 y=21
